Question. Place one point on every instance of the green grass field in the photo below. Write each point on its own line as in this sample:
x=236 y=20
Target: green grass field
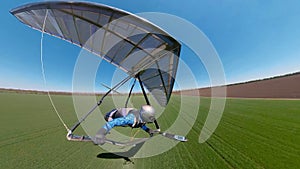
x=252 y=134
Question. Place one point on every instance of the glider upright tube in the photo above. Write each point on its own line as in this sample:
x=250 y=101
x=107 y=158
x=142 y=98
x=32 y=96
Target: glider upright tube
x=147 y=100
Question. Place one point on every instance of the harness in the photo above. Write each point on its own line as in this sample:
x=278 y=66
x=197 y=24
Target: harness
x=123 y=112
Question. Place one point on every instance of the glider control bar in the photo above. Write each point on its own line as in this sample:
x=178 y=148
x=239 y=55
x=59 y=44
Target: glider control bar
x=174 y=136
x=72 y=137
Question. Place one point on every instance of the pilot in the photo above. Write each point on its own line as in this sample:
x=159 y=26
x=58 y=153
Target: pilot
x=126 y=117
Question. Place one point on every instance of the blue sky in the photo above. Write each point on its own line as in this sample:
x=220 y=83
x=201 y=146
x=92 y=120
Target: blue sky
x=254 y=39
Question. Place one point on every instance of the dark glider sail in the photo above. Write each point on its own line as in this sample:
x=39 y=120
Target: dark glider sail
x=129 y=42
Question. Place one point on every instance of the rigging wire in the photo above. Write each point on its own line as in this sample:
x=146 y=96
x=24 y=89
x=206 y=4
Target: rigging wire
x=43 y=73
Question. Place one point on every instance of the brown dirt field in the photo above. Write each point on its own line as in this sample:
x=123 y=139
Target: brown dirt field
x=282 y=87
x=287 y=86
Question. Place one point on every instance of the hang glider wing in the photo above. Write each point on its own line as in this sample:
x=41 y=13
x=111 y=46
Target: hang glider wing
x=131 y=43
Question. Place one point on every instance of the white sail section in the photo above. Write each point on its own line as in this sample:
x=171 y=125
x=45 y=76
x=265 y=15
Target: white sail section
x=129 y=42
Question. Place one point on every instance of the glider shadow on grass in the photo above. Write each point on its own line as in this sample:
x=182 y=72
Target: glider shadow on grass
x=125 y=155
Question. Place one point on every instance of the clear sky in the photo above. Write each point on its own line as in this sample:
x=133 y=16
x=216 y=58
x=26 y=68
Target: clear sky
x=254 y=39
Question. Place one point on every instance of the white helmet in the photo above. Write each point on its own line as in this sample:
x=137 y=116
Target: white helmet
x=147 y=114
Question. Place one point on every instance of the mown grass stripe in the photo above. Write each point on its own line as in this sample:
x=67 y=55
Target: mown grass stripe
x=27 y=137
x=251 y=134
x=288 y=147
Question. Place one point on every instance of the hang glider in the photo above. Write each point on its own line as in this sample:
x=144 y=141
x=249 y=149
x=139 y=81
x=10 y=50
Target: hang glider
x=141 y=49
x=133 y=44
